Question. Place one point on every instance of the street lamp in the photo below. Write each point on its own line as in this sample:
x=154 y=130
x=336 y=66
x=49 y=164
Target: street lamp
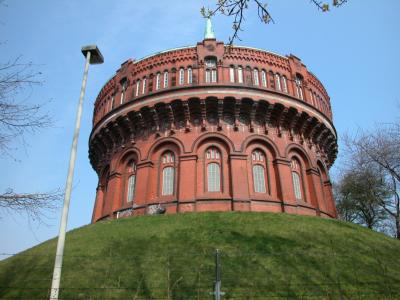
x=93 y=56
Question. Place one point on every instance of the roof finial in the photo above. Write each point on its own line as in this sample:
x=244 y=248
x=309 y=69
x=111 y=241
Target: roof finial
x=209 y=31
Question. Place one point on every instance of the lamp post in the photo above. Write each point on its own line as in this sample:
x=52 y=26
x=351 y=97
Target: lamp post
x=93 y=56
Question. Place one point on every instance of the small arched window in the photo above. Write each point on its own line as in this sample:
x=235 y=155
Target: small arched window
x=263 y=78
x=189 y=75
x=112 y=102
x=165 y=79
x=137 y=88
x=258 y=163
x=144 y=86
x=299 y=89
x=168 y=173
x=296 y=179
x=131 y=177
x=312 y=97
x=181 y=76
x=123 y=89
x=158 y=81
x=213 y=157
x=240 y=74
x=284 y=84
x=211 y=69
x=256 y=81
x=278 y=82
x=232 y=74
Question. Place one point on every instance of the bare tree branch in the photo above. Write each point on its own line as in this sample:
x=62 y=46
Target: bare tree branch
x=236 y=10
x=18 y=116
x=36 y=206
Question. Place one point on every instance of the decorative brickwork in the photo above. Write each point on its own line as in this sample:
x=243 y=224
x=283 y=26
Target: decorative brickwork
x=213 y=128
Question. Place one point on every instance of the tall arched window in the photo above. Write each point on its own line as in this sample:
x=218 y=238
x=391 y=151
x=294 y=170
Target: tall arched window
x=296 y=179
x=168 y=173
x=211 y=69
x=240 y=75
x=112 y=102
x=232 y=74
x=258 y=161
x=158 y=81
x=181 y=76
x=189 y=75
x=284 y=84
x=299 y=90
x=263 y=78
x=144 y=86
x=137 y=88
x=123 y=89
x=278 y=82
x=165 y=79
x=131 y=178
x=256 y=81
x=213 y=158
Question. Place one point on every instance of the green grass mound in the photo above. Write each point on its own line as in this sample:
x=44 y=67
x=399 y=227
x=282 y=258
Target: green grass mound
x=263 y=256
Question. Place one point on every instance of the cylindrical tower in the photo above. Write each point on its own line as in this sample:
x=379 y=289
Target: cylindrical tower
x=213 y=127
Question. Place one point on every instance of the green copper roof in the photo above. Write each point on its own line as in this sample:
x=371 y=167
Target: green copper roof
x=209 y=31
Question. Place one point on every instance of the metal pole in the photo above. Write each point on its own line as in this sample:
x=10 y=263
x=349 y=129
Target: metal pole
x=55 y=285
x=217 y=286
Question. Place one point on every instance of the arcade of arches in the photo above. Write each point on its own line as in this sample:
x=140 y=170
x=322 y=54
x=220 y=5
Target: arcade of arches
x=211 y=174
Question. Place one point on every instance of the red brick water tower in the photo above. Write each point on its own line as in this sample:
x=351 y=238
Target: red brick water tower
x=213 y=128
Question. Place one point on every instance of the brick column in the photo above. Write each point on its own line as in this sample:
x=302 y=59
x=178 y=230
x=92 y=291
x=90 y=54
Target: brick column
x=315 y=192
x=187 y=183
x=239 y=182
x=329 y=198
x=284 y=183
x=143 y=182
x=98 y=203
x=113 y=193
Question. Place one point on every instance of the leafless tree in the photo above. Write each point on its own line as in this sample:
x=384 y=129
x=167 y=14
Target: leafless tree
x=379 y=150
x=236 y=10
x=36 y=206
x=18 y=117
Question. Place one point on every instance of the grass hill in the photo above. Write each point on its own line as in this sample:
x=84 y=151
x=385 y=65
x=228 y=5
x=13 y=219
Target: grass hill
x=263 y=256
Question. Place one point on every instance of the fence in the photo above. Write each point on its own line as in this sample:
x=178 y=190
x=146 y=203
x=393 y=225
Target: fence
x=303 y=274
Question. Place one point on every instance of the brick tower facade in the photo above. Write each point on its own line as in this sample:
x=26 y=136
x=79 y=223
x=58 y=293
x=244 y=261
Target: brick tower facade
x=213 y=128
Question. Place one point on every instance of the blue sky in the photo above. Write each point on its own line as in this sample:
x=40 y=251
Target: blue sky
x=352 y=50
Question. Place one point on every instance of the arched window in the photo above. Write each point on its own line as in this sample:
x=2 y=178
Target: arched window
x=263 y=78
x=296 y=179
x=123 y=86
x=256 y=81
x=299 y=90
x=278 y=82
x=165 y=79
x=211 y=69
x=284 y=84
x=240 y=75
x=258 y=162
x=158 y=81
x=168 y=173
x=137 y=88
x=312 y=97
x=189 y=75
x=232 y=74
x=112 y=102
x=181 y=76
x=213 y=158
x=144 y=85
x=131 y=180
